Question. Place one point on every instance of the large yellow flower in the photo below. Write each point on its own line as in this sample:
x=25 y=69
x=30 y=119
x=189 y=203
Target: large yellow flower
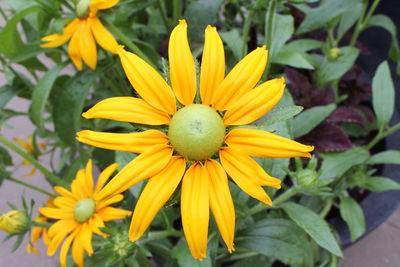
x=80 y=213
x=197 y=134
x=83 y=32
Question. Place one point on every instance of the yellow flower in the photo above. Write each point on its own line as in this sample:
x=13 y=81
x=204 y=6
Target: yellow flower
x=80 y=213
x=83 y=32
x=28 y=146
x=196 y=134
x=14 y=222
x=38 y=231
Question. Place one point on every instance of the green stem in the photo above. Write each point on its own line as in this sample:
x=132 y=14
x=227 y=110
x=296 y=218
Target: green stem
x=52 y=177
x=246 y=28
x=362 y=22
x=287 y=194
x=176 y=10
x=163 y=13
x=333 y=261
x=382 y=135
x=162 y=234
x=125 y=40
x=370 y=12
x=326 y=208
x=30 y=186
x=4 y=15
x=268 y=35
x=243 y=255
x=42 y=224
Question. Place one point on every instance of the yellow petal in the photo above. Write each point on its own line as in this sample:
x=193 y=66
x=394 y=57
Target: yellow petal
x=32 y=172
x=110 y=214
x=129 y=109
x=195 y=209
x=146 y=165
x=212 y=65
x=64 y=192
x=65 y=248
x=95 y=223
x=136 y=142
x=242 y=174
x=157 y=191
x=28 y=148
x=54 y=213
x=103 y=37
x=59 y=231
x=78 y=186
x=73 y=47
x=181 y=65
x=241 y=79
x=260 y=143
x=85 y=237
x=77 y=251
x=102 y=4
x=255 y=103
x=89 y=176
x=87 y=45
x=55 y=40
x=104 y=176
x=109 y=201
x=64 y=203
x=221 y=202
x=148 y=82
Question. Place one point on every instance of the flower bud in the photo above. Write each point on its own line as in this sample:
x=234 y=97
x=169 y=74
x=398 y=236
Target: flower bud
x=306 y=178
x=82 y=9
x=14 y=222
x=333 y=53
x=122 y=245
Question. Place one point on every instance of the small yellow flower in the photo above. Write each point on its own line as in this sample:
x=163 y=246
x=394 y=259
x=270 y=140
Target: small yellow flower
x=38 y=231
x=14 y=222
x=28 y=146
x=83 y=31
x=198 y=134
x=80 y=213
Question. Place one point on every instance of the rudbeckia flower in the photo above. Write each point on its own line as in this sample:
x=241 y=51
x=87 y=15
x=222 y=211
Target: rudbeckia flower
x=28 y=146
x=83 y=31
x=80 y=213
x=199 y=135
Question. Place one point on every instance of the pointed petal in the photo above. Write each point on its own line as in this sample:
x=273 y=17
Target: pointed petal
x=65 y=248
x=212 y=65
x=242 y=78
x=64 y=192
x=64 y=203
x=73 y=47
x=242 y=174
x=55 y=40
x=77 y=250
x=221 y=202
x=103 y=37
x=104 y=176
x=32 y=172
x=109 y=201
x=181 y=65
x=89 y=176
x=55 y=213
x=195 y=209
x=157 y=191
x=79 y=187
x=28 y=148
x=136 y=142
x=148 y=82
x=146 y=165
x=110 y=214
x=102 y=4
x=260 y=143
x=129 y=109
x=255 y=103
x=85 y=237
x=87 y=45
x=59 y=231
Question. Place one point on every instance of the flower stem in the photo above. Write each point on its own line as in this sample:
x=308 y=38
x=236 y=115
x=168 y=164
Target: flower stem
x=42 y=224
x=125 y=40
x=52 y=177
x=176 y=11
x=163 y=12
x=326 y=208
x=162 y=234
x=246 y=28
x=30 y=186
x=382 y=135
x=362 y=22
x=268 y=35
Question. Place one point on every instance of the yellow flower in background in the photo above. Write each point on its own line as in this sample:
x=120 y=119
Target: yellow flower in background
x=28 y=146
x=80 y=213
x=198 y=134
x=83 y=31
x=14 y=222
x=38 y=232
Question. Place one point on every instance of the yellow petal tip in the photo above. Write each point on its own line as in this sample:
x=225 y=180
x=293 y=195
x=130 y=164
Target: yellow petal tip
x=182 y=22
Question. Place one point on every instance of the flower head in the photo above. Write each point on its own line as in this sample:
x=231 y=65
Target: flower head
x=198 y=134
x=80 y=213
x=14 y=222
x=83 y=31
x=28 y=146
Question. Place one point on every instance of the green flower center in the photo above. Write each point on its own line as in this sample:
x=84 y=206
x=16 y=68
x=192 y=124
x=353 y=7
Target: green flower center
x=82 y=9
x=196 y=132
x=84 y=209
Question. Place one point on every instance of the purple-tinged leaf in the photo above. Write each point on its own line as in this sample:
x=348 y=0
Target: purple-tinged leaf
x=346 y=114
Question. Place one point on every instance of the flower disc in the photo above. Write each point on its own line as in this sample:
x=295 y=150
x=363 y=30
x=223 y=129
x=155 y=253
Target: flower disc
x=84 y=209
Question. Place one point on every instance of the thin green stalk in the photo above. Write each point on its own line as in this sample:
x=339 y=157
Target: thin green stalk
x=176 y=10
x=362 y=22
x=125 y=40
x=162 y=234
x=370 y=12
x=382 y=135
x=163 y=13
x=333 y=261
x=246 y=29
x=3 y=15
x=327 y=208
x=52 y=177
x=268 y=35
x=29 y=186
x=42 y=224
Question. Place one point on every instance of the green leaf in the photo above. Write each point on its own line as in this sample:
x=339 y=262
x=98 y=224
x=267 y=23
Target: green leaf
x=353 y=215
x=387 y=23
x=282 y=30
x=383 y=94
x=333 y=70
x=381 y=184
x=199 y=14
x=278 y=114
x=7 y=92
x=293 y=58
x=310 y=118
x=5 y=157
x=234 y=41
x=385 y=157
x=41 y=94
x=17 y=243
x=335 y=164
x=182 y=253
x=314 y=225
x=348 y=19
x=68 y=106
x=303 y=45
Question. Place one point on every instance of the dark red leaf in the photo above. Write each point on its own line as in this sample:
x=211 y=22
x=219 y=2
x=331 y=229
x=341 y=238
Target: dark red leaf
x=346 y=114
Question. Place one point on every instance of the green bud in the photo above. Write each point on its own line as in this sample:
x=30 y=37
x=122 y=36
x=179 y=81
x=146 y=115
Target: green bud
x=307 y=178
x=333 y=53
x=82 y=9
x=122 y=245
x=14 y=222
x=84 y=209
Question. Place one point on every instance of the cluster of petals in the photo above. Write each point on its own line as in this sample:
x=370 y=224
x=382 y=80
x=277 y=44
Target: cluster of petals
x=204 y=183
x=77 y=234
x=83 y=32
x=28 y=146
